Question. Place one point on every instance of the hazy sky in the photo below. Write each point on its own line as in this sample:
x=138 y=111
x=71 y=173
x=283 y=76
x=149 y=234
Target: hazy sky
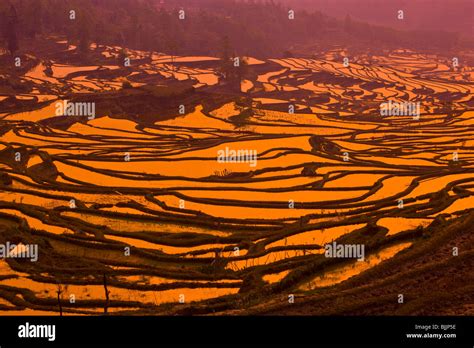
x=449 y=15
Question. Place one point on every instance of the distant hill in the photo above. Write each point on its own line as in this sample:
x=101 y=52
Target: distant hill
x=257 y=28
x=436 y=15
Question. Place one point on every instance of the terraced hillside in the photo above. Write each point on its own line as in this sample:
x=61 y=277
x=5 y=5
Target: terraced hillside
x=133 y=212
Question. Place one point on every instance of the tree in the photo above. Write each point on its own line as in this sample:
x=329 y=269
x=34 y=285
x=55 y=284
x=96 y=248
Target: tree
x=242 y=69
x=121 y=58
x=33 y=18
x=226 y=63
x=11 y=34
x=84 y=41
x=12 y=40
x=84 y=34
x=100 y=34
x=172 y=47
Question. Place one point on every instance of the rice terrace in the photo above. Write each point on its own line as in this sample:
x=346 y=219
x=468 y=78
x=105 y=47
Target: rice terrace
x=193 y=165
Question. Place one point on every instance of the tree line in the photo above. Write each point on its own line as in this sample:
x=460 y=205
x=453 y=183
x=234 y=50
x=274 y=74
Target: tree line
x=258 y=28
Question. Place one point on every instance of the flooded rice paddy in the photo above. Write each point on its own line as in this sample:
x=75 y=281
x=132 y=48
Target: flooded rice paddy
x=146 y=211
